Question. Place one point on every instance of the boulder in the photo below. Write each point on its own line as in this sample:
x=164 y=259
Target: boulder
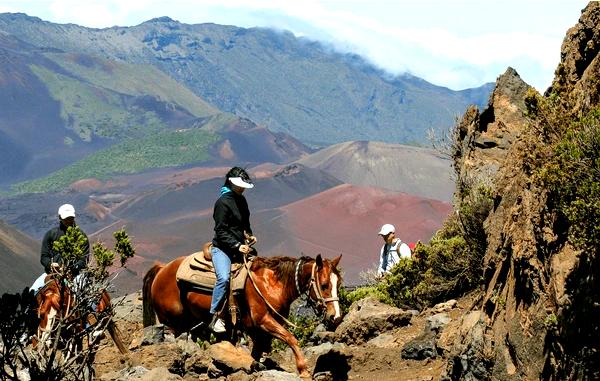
x=369 y=318
x=470 y=354
x=230 y=359
x=198 y=363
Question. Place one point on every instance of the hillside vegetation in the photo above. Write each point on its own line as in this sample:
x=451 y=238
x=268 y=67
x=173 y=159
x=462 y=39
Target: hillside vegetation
x=90 y=110
x=58 y=108
x=114 y=100
x=165 y=149
x=132 y=79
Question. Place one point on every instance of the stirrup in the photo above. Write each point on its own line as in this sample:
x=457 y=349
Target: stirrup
x=92 y=319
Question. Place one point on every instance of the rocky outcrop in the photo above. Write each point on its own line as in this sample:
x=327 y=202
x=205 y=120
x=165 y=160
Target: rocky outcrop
x=577 y=79
x=518 y=330
x=484 y=139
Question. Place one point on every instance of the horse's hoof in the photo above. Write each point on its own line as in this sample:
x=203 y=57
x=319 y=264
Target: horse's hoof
x=258 y=366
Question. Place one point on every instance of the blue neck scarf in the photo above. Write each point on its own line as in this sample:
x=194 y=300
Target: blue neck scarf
x=224 y=190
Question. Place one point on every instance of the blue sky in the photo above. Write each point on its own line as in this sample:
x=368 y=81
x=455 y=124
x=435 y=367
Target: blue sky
x=457 y=44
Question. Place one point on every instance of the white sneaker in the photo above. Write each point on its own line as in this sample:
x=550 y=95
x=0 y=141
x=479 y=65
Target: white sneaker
x=24 y=339
x=219 y=326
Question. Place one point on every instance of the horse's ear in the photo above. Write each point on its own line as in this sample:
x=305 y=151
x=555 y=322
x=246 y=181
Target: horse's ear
x=336 y=261
x=319 y=261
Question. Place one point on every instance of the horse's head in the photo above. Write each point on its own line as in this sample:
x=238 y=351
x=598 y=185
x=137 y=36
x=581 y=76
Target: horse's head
x=49 y=297
x=55 y=298
x=325 y=280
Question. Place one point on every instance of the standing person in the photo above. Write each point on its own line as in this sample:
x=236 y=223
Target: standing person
x=50 y=259
x=392 y=250
x=233 y=236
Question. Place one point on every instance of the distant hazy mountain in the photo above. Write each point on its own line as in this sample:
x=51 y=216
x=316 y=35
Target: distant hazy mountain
x=418 y=171
x=273 y=78
x=19 y=259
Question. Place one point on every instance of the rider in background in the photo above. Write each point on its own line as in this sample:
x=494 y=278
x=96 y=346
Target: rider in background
x=50 y=259
x=233 y=236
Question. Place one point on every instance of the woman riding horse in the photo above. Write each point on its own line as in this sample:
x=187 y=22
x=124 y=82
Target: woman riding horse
x=233 y=237
x=273 y=284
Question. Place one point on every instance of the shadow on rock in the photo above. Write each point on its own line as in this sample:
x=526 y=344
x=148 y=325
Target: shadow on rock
x=334 y=363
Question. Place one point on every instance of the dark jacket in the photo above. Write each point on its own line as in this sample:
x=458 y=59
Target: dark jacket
x=49 y=256
x=232 y=218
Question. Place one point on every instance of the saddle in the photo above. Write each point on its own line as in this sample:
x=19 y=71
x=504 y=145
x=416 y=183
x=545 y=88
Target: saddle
x=198 y=270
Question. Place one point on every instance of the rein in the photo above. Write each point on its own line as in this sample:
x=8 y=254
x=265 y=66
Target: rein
x=263 y=297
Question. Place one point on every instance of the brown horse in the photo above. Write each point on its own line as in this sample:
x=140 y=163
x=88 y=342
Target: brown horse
x=56 y=300
x=274 y=283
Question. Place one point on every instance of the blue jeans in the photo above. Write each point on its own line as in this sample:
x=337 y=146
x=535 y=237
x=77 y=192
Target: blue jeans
x=222 y=264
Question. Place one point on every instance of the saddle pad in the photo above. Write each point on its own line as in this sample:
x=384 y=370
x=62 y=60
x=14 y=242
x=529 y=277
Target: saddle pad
x=196 y=270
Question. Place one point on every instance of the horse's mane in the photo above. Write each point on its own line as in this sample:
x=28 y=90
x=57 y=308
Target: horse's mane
x=283 y=267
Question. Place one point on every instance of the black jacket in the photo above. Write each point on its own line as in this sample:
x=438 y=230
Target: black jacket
x=49 y=256
x=232 y=218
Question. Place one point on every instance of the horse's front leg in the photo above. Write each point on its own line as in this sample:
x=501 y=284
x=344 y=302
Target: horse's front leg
x=261 y=343
x=271 y=326
x=45 y=332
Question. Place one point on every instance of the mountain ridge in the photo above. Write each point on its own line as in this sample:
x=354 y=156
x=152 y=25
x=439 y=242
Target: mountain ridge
x=285 y=83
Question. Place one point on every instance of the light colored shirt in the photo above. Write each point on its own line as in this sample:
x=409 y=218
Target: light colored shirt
x=390 y=255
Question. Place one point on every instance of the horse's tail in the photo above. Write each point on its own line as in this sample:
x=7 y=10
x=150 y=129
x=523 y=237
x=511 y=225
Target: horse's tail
x=149 y=315
x=115 y=334
x=111 y=327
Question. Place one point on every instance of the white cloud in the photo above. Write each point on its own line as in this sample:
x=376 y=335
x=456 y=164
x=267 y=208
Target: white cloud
x=5 y=8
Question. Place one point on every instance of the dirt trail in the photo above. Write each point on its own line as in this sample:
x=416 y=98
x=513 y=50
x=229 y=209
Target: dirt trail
x=378 y=359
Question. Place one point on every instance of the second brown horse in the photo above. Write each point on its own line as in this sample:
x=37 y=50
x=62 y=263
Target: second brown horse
x=56 y=300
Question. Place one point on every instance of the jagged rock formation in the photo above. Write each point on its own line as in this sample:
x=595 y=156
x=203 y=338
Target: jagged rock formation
x=529 y=325
x=483 y=139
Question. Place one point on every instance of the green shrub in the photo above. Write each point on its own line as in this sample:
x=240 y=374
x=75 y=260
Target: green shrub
x=401 y=284
x=72 y=246
x=450 y=265
x=377 y=291
x=105 y=257
x=571 y=177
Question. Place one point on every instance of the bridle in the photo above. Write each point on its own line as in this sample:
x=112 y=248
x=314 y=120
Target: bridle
x=320 y=301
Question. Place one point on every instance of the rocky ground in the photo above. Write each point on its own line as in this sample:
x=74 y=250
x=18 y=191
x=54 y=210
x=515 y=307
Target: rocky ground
x=373 y=342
